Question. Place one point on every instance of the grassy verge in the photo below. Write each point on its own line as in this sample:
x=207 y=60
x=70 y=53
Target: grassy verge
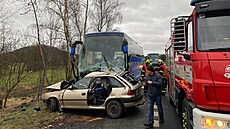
x=27 y=118
x=54 y=76
x=29 y=84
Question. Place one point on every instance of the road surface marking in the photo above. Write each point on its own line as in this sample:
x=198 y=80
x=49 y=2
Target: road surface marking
x=156 y=122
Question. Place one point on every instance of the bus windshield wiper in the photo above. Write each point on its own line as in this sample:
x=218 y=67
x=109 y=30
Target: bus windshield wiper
x=107 y=64
x=219 y=49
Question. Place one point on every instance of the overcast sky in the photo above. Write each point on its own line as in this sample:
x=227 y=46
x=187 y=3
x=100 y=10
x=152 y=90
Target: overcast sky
x=148 y=21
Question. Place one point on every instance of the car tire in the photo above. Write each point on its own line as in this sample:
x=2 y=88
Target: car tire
x=114 y=109
x=53 y=105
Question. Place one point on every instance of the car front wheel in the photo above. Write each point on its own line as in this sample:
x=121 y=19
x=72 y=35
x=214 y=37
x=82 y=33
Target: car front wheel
x=114 y=109
x=53 y=105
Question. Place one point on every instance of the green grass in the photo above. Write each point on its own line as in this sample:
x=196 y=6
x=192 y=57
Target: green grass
x=32 y=79
x=29 y=84
x=28 y=119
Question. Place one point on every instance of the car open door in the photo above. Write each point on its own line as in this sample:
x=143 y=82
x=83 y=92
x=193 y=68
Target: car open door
x=76 y=95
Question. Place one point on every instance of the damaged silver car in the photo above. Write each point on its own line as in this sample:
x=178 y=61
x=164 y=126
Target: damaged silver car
x=113 y=92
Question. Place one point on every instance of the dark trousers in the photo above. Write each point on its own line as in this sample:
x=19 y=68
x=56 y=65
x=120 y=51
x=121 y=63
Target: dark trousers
x=151 y=100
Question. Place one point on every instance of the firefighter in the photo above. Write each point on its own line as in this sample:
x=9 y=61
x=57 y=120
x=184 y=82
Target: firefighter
x=144 y=72
x=162 y=71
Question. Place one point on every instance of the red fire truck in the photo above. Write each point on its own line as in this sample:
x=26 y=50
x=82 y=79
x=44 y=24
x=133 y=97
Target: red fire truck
x=198 y=60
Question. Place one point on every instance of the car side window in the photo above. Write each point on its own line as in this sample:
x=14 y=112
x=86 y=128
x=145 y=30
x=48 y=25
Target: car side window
x=82 y=84
x=115 y=83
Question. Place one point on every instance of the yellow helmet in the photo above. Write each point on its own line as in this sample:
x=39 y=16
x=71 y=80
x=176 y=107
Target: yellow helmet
x=159 y=61
x=147 y=61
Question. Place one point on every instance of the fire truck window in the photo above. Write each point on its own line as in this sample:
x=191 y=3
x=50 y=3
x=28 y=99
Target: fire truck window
x=190 y=37
x=213 y=31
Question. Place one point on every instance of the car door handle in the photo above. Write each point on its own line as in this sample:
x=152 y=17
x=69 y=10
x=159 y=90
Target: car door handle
x=82 y=93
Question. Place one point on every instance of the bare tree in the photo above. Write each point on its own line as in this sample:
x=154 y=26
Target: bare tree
x=52 y=30
x=32 y=6
x=5 y=27
x=5 y=34
x=106 y=14
x=79 y=16
x=12 y=73
x=61 y=9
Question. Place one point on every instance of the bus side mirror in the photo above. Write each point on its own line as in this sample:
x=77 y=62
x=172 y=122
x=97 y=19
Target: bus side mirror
x=73 y=47
x=125 y=47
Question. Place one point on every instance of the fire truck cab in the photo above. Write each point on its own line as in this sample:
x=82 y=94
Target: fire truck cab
x=198 y=61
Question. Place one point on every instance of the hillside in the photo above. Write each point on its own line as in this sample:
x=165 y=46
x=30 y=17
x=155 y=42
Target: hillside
x=30 y=56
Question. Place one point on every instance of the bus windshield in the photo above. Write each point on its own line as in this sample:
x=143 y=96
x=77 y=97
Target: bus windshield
x=101 y=52
x=213 y=31
x=153 y=57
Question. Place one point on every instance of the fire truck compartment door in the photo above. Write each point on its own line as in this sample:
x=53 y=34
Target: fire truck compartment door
x=220 y=67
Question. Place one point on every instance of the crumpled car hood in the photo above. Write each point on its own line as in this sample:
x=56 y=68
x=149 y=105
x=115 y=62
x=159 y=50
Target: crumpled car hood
x=56 y=86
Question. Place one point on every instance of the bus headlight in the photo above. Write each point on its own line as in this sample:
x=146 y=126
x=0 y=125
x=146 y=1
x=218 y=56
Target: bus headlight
x=209 y=122
x=220 y=123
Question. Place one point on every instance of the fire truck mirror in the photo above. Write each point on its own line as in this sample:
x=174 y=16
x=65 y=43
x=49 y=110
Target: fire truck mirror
x=179 y=30
x=178 y=37
x=186 y=56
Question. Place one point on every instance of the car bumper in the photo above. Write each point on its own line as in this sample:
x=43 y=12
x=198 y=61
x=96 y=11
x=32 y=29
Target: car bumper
x=134 y=101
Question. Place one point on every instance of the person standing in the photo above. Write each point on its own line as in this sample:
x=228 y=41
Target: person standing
x=154 y=83
x=144 y=72
x=162 y=71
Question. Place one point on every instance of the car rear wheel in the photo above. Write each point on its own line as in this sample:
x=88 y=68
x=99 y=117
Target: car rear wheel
x=53 y=105
x=114 y=109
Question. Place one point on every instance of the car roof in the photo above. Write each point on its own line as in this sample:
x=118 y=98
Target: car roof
x=96 y=74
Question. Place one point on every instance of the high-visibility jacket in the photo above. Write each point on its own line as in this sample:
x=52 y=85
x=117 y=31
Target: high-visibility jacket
x=162 y=70
x=144 y=71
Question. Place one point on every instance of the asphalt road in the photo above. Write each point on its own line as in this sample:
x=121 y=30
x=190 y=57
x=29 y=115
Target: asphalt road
x=132 y=119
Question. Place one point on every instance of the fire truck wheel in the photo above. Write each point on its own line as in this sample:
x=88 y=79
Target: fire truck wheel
x=184 y=117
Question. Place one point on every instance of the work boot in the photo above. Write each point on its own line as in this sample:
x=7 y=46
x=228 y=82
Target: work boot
x=149 y=124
